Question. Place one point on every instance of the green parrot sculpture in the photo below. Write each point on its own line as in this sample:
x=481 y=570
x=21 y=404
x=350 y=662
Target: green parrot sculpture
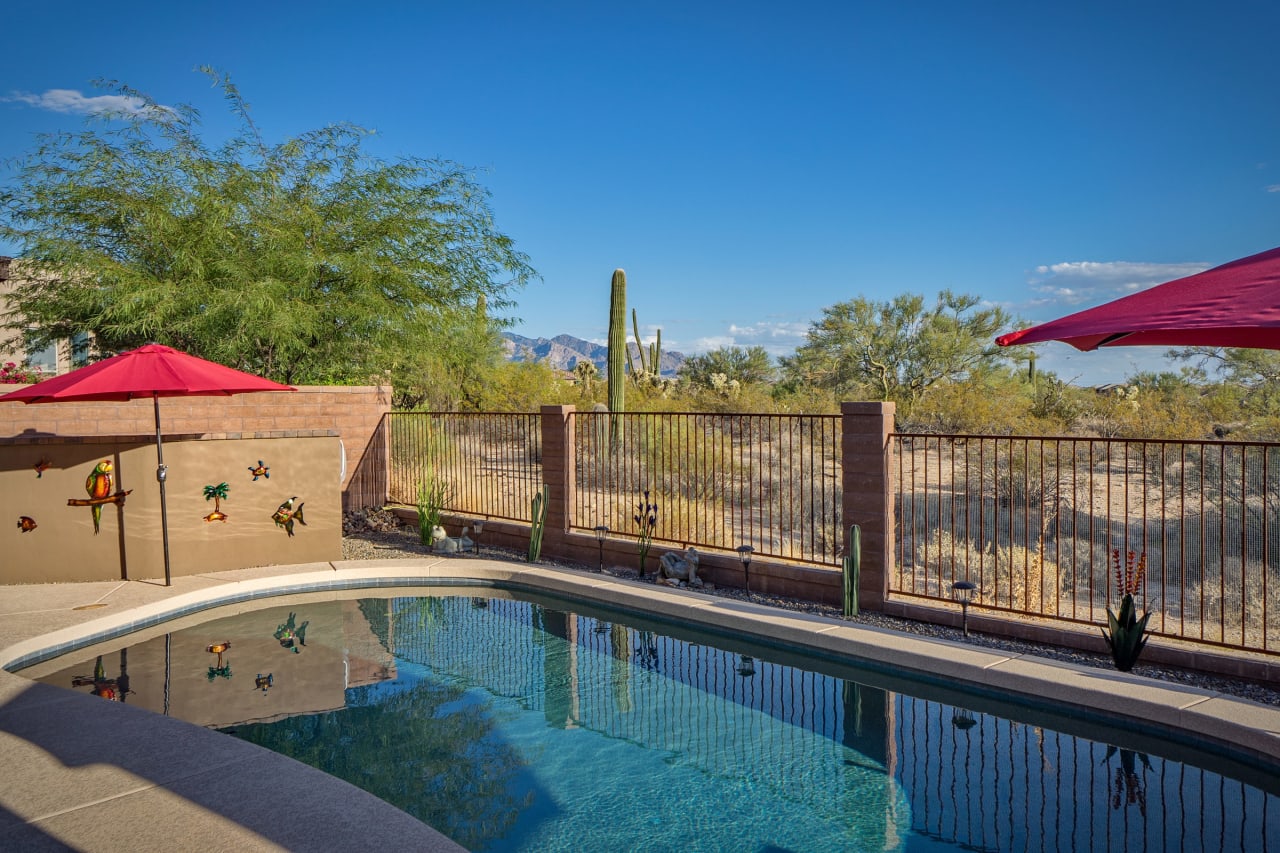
x=98 y=485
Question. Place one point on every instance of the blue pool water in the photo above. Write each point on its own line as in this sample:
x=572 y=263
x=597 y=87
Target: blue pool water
x=538 y=725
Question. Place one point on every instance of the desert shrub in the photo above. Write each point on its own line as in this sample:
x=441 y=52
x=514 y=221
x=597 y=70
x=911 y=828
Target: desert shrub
x=991 y=405
x=1009 y=576
x=524 y=386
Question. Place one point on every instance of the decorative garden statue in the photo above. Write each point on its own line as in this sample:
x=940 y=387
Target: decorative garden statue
x=442 y=543
x=674 y=566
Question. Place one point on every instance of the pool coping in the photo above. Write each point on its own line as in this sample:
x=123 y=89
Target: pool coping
x=1247 y=728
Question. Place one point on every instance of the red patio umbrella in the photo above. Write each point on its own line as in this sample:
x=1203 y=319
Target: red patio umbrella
x=151 y=371
x=1234 y=305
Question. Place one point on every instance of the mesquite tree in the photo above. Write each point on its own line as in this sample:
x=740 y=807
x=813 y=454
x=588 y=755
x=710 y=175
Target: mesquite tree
x=898 y=349
x=306 y=261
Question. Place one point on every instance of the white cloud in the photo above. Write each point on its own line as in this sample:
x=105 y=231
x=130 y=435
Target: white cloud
x=771 y=331
x=1112 y=270
x=1065 y=286
x=73 y=101
x=708 y=344
x=1274 y=188
x=777 y=338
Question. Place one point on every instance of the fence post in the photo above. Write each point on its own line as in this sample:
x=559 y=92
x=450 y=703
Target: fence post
x=867 y=460
x=558 y=473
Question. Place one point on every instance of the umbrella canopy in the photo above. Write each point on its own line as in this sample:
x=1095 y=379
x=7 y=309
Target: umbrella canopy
x=151 y=371
x=1234 y=305
x=148 y=371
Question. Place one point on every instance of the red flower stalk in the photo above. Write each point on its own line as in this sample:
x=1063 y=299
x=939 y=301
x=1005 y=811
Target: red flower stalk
x=1131 y=575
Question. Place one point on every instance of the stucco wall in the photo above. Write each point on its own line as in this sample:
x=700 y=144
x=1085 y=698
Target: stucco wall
x=129 y=545
x=353 y=413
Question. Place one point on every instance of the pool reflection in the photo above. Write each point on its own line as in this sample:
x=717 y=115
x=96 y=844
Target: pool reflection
x=512 y=724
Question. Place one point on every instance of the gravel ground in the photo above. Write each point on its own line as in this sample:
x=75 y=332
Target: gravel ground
x=380 y=538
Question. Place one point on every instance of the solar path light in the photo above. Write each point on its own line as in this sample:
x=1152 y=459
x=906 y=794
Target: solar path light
x=602 y=530
x=962 y=591
x=744 y=554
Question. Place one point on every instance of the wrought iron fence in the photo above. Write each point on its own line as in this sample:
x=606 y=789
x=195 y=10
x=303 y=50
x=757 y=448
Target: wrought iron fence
x=1038 y=523
x=492 y=463
x=1035 y=523
x=720 y=481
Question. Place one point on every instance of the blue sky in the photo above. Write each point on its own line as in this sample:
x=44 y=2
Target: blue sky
x=750 y=163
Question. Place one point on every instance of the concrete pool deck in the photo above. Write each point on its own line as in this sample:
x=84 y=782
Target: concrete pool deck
x=87 y=774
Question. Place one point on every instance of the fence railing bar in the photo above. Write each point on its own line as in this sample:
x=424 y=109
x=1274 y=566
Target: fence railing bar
x=1201 y=579
x=1222 y=537
x=1266 y=550
x=1244 y=544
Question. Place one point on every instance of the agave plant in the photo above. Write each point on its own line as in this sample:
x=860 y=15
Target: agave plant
x=1126 y=632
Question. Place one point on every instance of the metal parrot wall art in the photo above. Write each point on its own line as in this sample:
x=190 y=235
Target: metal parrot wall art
x=98 y=486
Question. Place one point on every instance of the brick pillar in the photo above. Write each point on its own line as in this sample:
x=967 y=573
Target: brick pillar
x=868 y=502
x=557 y=472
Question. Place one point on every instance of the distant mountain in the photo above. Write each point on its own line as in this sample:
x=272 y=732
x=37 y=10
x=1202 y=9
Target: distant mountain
x=563 y=352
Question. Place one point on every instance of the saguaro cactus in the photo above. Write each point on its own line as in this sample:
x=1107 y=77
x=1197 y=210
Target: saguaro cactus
x=538 y=509
x=651 y=368
x=635 y=327
x=617 y=348
x=852 y=574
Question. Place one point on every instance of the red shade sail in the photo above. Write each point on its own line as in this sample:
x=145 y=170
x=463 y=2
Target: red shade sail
x=148 y=371
x=152 y=371
x=1234 y=305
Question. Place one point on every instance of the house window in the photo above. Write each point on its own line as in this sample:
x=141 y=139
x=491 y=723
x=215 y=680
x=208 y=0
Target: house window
x=45 y=360
x=79 y=349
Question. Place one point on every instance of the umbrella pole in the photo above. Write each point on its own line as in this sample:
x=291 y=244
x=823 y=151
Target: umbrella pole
x=161 y=473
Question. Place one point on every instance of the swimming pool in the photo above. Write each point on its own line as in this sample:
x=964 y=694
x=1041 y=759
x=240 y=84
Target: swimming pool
x=539 y=724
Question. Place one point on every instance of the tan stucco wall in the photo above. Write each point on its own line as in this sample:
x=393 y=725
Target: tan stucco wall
x=64 y=547
x=353 y=413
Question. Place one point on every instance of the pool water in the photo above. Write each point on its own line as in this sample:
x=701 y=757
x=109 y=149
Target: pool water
x=539 y=725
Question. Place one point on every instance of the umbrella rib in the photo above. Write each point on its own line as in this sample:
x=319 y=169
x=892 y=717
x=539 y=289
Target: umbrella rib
x=1111 y=339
